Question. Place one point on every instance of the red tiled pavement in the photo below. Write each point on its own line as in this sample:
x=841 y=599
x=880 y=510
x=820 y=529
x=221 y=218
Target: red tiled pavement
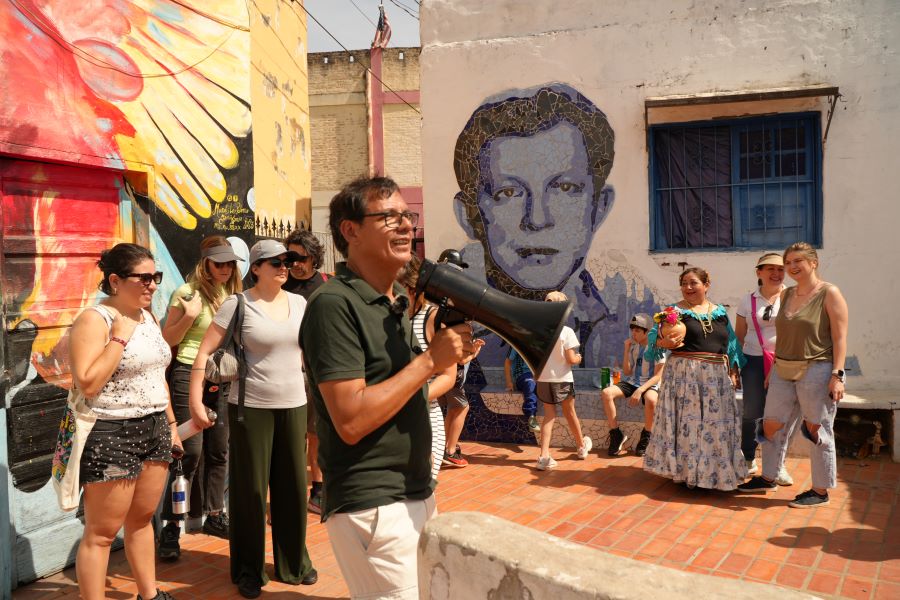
x=850 y=548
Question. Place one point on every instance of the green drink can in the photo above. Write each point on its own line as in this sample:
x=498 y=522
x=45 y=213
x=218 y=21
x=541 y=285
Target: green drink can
x=605 y=377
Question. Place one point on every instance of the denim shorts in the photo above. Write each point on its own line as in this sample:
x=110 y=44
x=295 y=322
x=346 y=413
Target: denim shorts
x=118 y=448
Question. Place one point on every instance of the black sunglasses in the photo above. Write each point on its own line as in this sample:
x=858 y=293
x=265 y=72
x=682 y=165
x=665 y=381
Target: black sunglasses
x=278 y=263
x=300 y=258
x=767 y=314
x=147 y=278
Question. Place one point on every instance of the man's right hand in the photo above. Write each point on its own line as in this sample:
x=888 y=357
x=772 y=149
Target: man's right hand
x=451 y=345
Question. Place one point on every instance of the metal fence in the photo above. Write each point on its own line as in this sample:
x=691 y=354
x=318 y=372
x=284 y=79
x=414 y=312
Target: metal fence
x=280 y=230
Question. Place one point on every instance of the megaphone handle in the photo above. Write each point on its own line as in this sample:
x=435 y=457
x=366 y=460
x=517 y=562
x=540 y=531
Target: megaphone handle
x=441 y=314
x=447 y=316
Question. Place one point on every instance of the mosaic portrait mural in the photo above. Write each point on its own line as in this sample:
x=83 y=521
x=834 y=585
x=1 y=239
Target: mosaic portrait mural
x=532 y=168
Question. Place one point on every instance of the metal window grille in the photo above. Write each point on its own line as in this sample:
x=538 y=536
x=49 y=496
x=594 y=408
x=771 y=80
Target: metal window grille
x=746 y=183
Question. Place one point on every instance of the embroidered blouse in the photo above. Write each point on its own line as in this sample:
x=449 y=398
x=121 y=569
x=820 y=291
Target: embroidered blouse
x=721 y=340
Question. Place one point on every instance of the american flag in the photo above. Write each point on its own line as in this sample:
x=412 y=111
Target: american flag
x=383 y=31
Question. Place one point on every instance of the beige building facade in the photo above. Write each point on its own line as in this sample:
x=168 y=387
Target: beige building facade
x=362 y=126
x=786 y=115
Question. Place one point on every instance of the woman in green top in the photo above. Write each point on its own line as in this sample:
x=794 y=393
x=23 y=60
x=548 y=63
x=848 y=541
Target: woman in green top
x=191 y=310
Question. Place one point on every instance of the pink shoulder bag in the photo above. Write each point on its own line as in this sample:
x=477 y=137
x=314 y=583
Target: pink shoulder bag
x=768 y=357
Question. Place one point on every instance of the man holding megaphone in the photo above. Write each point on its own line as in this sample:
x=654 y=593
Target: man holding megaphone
x=368 y=389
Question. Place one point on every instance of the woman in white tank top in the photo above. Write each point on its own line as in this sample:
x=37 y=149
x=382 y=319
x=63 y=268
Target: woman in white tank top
x=119 y=359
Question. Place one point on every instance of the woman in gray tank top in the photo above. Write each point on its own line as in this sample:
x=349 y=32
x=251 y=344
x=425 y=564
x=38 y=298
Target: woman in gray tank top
x=808 y=378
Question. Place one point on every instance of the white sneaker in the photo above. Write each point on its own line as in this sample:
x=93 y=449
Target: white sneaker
x=586 y=445
x=784 y=478
x=545 y=463
x=752 y=467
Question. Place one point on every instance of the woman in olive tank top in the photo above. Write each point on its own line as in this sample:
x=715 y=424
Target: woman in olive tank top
x=808 y=378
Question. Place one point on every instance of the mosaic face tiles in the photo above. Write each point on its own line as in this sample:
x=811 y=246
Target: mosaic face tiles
x=532 y=168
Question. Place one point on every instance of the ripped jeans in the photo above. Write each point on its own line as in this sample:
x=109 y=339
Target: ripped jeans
x=806 y=398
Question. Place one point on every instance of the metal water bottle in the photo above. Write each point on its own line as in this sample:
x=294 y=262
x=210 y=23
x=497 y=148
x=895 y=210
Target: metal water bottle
x=181 y=502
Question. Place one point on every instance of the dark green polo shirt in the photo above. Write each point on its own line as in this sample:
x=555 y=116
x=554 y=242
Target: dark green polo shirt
x=349 y=332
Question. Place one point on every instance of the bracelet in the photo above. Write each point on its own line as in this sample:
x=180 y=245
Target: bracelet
x=119 y=340
x=172 y=423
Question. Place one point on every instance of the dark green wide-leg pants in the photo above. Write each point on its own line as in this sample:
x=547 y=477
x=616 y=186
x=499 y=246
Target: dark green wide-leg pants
x=267 y=452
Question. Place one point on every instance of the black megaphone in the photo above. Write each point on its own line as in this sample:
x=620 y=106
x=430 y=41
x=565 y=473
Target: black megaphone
x=531 y=327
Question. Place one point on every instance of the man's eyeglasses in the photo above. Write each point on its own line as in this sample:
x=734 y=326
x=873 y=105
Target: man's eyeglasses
x=392 y=219
x=147 y=278
x=302 y=259
x=767 y=314
x=278 y=263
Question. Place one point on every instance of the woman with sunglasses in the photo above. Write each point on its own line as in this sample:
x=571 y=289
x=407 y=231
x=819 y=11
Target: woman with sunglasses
x=755 y=323
x=266 y=452
x=191 y=310
x=119 y=359
x=304 y=278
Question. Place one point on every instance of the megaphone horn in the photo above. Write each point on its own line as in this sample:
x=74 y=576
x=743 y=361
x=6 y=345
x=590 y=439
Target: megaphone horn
x=531 y=327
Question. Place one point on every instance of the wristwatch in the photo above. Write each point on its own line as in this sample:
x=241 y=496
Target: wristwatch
x=840 y=374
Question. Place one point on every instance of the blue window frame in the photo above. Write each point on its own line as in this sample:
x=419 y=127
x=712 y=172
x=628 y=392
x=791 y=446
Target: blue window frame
x=741 y=183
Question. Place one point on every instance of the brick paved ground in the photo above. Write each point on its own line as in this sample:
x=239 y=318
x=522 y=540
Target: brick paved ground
x=849 y=549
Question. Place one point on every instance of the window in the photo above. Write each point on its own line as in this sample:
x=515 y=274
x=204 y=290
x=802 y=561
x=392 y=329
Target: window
x=743 y=183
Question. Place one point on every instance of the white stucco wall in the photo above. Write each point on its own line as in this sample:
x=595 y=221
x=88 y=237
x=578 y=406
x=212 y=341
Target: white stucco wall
x=618 y=54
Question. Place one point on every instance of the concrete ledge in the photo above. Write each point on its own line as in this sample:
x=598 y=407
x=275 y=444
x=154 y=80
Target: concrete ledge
x=465 y=555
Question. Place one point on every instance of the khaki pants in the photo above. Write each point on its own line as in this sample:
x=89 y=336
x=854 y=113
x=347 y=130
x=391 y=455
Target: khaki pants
x=376 y=548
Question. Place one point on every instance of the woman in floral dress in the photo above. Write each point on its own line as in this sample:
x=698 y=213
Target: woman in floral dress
x=697 y=424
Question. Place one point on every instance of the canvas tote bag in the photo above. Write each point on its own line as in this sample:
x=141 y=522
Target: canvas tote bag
x=76 y=425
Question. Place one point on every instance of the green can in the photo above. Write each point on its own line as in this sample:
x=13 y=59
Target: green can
x=605 y=377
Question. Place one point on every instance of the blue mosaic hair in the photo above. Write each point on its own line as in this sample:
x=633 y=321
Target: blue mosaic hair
x=524 y=113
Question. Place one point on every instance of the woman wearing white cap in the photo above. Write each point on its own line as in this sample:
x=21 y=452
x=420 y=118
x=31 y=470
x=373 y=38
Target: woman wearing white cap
x=808 y=378
x=755 y=330
x=191 y=310
x=267 y=454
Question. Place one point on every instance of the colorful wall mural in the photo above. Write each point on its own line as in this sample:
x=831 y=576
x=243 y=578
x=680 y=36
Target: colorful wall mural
x=119 y=121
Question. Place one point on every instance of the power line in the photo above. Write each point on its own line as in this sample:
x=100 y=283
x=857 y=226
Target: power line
x=413 y=8
x=363 y=14
x=211 y=17
x=331 y=35
x=404 y=9
x=47 y=30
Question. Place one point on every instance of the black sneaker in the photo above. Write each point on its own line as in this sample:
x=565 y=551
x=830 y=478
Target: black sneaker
x=216 y=525
x=617 y=439
x=315 y=502
x=454 y=460
x=249 y=586
x=809 y=499
x=641 y=448
x=757 y=485
x=169 y=548
x=160 y=595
